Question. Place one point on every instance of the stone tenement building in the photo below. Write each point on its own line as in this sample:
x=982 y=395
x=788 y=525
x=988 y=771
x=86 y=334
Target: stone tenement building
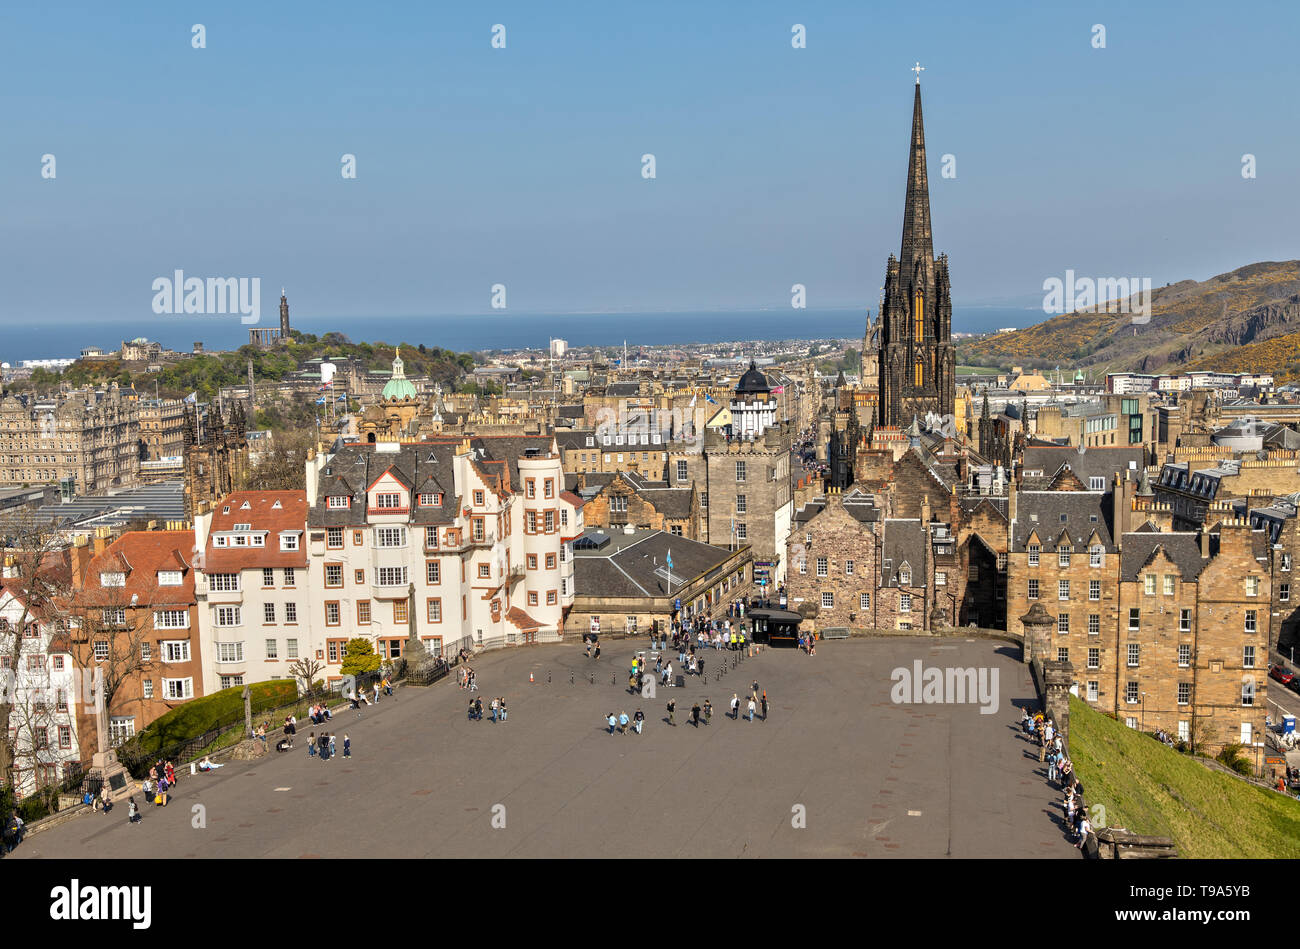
x=1164 y=629
x=162 y=428
x=917 y=361
x=1193 y=491
x=744 y=490
x=627 y=498
x=91 y=436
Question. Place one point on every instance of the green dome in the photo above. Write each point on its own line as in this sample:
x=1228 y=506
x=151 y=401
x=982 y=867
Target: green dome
x=399 y=387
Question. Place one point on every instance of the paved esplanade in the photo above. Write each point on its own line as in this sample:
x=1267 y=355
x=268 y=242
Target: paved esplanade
x=876 y=779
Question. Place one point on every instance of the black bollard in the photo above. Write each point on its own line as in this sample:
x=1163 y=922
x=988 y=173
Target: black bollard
x=548 y=676
x=570 y=678
x=613 y=679
x=593 y=678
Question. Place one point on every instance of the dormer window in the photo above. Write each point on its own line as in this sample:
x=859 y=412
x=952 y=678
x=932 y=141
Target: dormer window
x=338 y=501
x=112 y=579
x=243 y=527
x=288 y=541
x=388 y=501
x=905 y=576
x=431 y=500
x=169 y=578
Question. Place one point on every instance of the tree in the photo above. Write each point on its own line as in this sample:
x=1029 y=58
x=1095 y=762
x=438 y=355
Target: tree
x=36 y=587
x=283 y=467
x=305 y=669
x=359 y=657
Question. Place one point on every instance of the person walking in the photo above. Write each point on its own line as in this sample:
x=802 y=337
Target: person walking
x=332 y=751
x=672 y=709
x=765 y=705
x=751 y=708
x=501 y=709
x=638 y=718
x=708 y=712
x=735 y=706
x=695 y=714
x=347 y=747
x=611 y=721
x=311 y=745
x=492 y=717
x=622 y=722
x=596 y=654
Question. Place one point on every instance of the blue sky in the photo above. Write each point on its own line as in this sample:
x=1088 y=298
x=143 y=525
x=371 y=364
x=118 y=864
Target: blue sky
x=521 y=166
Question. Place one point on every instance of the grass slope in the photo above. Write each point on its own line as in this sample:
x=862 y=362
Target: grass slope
x=1150 y=789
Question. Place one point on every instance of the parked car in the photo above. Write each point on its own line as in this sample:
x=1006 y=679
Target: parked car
x=1281 y=674
x=1294 y=684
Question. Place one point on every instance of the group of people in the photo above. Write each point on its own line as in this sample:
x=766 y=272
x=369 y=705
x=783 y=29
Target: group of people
x=622 y=722
x=757 y=698
x=592 y=646
x=325 y=746
x=157 y=787
x=808 y=643
x=497 y=708
x=319 y=714
x=1041 y=730
x=290 y=729
x=468 y=679
x=98 y=802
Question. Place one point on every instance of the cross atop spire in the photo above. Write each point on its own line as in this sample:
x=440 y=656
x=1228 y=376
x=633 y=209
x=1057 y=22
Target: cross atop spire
x=918 y=69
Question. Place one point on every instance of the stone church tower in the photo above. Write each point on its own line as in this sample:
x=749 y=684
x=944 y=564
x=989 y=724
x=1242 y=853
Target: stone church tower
x=917 y=358
x=216 y=456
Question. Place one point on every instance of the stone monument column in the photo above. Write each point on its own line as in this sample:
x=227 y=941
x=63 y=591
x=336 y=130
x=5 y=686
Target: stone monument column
x=104 y=764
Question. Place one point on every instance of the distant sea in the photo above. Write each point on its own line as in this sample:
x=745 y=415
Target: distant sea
x=472 y=333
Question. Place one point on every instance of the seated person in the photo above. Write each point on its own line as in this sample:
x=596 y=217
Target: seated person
x=207 y=764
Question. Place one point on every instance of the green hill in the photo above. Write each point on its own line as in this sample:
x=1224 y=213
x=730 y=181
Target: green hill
x=1150 y=789
x=1191 y=322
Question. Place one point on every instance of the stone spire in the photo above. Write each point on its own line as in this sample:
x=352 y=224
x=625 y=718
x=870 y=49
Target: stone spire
x=284 y=315
x=917 y=238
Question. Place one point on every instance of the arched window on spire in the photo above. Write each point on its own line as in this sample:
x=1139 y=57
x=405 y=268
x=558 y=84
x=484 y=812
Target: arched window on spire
x=919 y=374
x=918 y=315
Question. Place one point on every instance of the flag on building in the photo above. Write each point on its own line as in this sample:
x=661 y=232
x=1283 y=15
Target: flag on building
x=710 y=399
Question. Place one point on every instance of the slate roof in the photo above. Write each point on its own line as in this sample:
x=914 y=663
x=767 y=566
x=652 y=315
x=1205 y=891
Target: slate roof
x=903 y=542
x=633 y=565
x=1051 y=512
x=427 y=468
x=1183 y=548
x=670 y=501
x=1085 y=463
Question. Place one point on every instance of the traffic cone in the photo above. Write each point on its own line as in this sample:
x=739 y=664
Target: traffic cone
x=530 y=677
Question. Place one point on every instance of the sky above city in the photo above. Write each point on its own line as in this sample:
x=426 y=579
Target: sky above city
x=522 y=165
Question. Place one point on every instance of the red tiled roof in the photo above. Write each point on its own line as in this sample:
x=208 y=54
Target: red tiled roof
x=261 y=515
x=141 y=554
x=521 y=619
